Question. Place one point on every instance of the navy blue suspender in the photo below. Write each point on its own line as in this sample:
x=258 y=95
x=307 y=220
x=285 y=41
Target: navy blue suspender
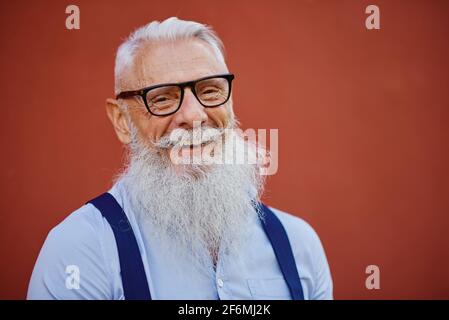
x=134 y=280
x=135 y=284
x=281 y=245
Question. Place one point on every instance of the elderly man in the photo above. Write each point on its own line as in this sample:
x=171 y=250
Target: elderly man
x=170 y=229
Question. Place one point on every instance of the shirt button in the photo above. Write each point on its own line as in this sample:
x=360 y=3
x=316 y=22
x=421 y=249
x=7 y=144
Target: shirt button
x=220 y=283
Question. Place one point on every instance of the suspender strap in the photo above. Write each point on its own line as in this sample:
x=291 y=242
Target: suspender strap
x=134 y=280
x=283 y=251
x=135 y=285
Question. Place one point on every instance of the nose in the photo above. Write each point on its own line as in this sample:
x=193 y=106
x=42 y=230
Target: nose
x=190 y=113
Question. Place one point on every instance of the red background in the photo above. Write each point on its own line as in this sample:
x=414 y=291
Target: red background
x=362 y=118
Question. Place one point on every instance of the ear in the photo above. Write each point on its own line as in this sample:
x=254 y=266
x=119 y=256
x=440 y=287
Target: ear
x=118 y=120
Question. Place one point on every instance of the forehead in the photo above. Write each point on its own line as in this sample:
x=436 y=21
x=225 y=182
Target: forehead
x=176 y=61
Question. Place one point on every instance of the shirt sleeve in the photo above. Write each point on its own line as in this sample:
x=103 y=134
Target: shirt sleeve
x=71 y=264
x=323 y=289
x=309 y=255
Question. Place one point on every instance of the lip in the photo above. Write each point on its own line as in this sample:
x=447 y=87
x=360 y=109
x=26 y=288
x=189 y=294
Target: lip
x=197 y=145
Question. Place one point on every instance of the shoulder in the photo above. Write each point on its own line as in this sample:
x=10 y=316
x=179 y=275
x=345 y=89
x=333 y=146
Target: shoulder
x=81 y=228
x=298 y=229
x=72 y=263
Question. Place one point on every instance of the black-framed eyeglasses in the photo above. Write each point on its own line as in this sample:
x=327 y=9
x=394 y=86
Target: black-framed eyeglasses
x=166 y=98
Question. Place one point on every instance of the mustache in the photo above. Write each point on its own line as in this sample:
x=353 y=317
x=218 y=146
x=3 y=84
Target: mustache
x=182 y=137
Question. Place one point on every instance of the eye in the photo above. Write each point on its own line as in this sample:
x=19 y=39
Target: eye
x=159 y=99
x=162 y=101
x=210 y=90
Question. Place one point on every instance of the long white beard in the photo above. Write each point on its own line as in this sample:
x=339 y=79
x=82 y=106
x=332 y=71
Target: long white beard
x=199 y=210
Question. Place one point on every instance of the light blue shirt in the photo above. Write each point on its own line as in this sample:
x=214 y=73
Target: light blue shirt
x=79 y=260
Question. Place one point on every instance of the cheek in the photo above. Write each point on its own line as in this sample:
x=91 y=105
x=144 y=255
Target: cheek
x=219 y=116
x=150 y=127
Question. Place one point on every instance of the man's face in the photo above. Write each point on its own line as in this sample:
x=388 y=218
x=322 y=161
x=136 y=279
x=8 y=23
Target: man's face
x=196 y=206
x=174 y=62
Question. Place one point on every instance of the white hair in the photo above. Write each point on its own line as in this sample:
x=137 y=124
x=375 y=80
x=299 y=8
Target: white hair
x=171 y=29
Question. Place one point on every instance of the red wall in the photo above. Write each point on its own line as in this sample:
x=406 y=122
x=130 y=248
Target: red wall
x=362 y=118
